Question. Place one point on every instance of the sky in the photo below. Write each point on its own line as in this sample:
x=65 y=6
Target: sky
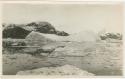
x=71 y=18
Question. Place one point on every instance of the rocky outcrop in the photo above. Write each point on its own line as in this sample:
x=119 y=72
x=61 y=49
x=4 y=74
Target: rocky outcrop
x=22 y=30
x=65 y=70
x=43 y=27
x=15 y=32
x=62 y=33
x=46 y=27
x=116 y=36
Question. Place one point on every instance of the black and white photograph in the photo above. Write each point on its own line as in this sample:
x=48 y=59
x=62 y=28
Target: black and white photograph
x=62 y=39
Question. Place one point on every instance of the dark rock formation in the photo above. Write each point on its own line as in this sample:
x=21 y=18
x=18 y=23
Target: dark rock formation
x=45 y=27
x=62 y=33
x=15 y=32
x=117 y=36
x=42 y=27
x=20 y=31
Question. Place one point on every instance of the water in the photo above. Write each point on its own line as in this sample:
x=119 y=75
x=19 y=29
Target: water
x=77 y=61
x=97 y=70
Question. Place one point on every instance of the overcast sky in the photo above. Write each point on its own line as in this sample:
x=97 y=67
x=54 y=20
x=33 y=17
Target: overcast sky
x=71 y=18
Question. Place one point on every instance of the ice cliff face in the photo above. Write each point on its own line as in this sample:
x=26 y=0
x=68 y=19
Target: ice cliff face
x=84 y=36
x=44 y=38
